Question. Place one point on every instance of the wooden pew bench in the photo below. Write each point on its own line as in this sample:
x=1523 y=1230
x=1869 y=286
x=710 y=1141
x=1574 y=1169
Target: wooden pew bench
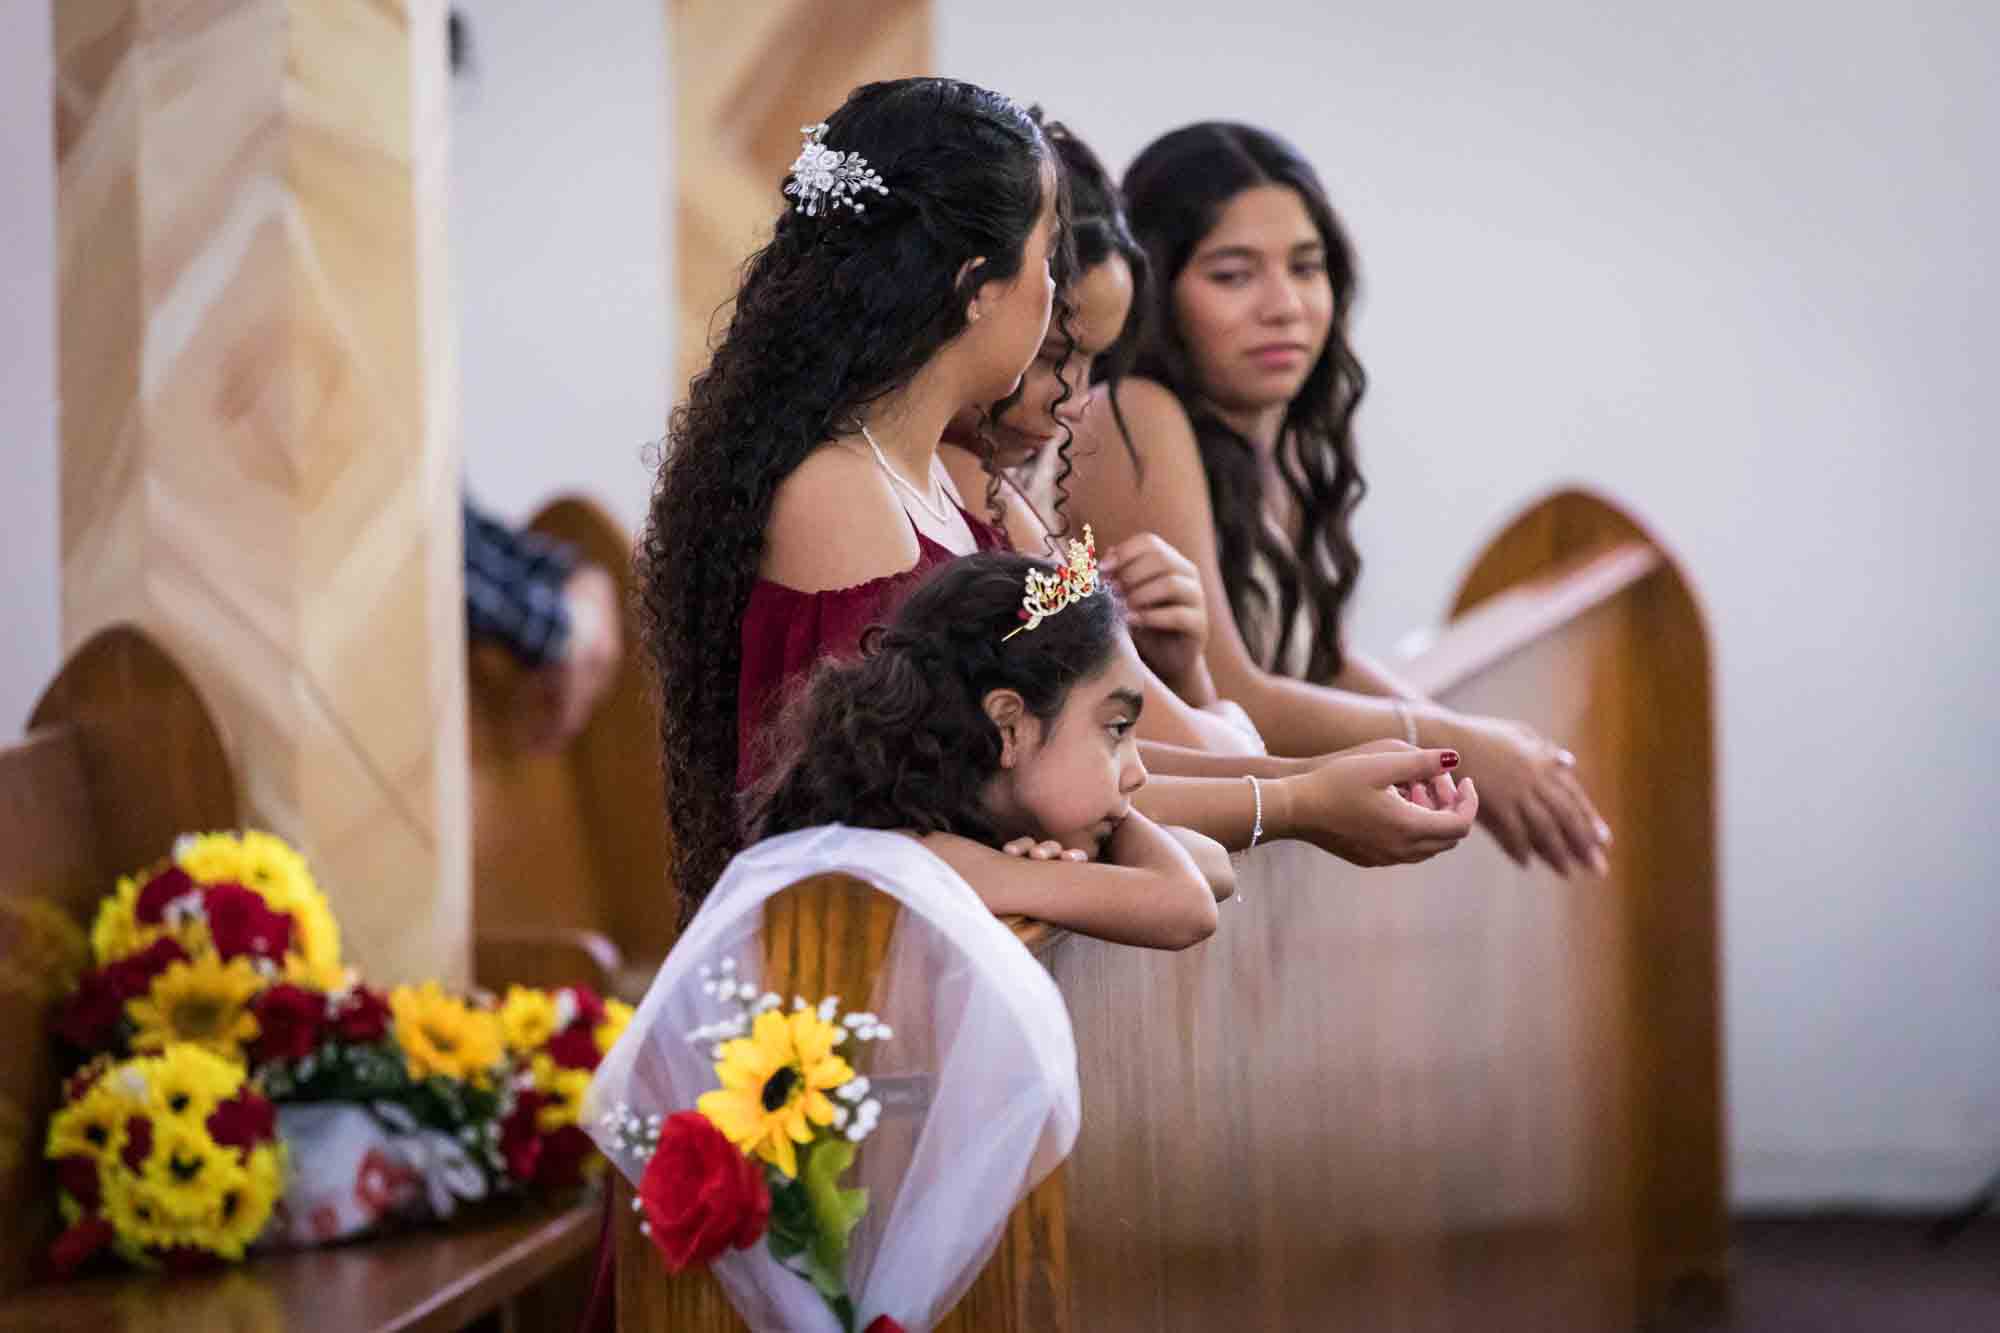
x=119 y=758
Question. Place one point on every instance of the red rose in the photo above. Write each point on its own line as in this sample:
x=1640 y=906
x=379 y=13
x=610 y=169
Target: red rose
x=138 y=1142
x=244 y=1121
x=589 y=1009
x=89 y=1019
x=520 y=1141
x=882 y=1323
x=363 y=1017
x=288 y=1022
x=77 y=1246
x=700 y=1194
x=77 y=1176
x=161 y=889
x=575 y=1047
x=241 y=922
x=135 y=973
x=564 y=1151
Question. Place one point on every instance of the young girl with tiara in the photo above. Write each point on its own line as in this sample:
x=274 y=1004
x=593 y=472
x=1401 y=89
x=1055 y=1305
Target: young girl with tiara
x=993 y=720
x=800 y=495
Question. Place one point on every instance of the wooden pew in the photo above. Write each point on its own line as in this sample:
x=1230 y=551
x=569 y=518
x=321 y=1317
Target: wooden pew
x=1444 y=1097
x=120 y=757
x=576 y=840
x=1456 y=1095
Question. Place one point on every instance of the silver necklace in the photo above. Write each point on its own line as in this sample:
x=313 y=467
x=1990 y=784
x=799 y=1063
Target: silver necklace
x=942 y=516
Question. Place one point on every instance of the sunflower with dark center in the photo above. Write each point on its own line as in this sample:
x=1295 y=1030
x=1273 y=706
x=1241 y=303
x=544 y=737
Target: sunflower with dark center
x=774 y=1085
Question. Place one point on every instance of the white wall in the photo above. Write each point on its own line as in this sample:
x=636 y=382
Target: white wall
x=1733 y=265
x=561 y=237
x=29 y=588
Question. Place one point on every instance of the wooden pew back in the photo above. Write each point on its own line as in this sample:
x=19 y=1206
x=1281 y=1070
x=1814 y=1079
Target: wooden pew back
x=120 y=757
x=1445 y=1096
x=577 y=839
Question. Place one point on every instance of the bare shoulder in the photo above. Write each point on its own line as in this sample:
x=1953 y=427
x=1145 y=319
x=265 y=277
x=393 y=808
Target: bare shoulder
x=835 y=523
x=1161 y=432
x=1143 y=476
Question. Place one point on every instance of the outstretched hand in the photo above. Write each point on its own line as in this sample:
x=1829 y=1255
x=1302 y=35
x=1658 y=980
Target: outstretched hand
x=1536 y=807
x=1383 y=803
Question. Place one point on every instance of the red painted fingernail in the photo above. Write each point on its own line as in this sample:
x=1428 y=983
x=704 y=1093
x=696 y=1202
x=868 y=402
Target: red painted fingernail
x=1449 y=759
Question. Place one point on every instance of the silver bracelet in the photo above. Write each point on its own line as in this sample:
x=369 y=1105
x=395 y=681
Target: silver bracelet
x=1257 y=819
x=1409 y=720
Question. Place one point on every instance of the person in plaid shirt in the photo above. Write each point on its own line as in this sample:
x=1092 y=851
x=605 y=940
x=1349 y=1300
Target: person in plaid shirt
x=557 y=616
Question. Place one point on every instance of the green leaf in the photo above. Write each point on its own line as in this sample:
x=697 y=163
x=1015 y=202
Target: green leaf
x=835 y=1211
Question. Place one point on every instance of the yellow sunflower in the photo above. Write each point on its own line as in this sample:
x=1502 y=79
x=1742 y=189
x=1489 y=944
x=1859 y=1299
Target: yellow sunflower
x=211 y=858
x=774 y=1085
x=93 y=1125
x=528 y=1017
x=617 y=1017
x=114 y=933
x=188 y=1082
x=202 y=1000
x=564 y=1088
x=442 y=1035
x=189 y=1172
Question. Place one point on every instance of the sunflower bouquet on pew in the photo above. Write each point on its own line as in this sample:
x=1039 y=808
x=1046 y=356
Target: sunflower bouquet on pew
x=761 y=1156
x=383 y=1105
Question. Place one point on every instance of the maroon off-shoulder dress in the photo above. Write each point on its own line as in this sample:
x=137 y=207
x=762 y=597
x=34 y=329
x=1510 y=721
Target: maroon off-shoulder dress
x=786 y=632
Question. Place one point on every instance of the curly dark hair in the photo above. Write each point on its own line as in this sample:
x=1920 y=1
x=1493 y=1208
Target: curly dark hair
x=900 y=739
x=1175 y=191
x=836 y=311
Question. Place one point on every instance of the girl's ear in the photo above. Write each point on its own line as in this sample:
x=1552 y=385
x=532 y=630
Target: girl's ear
x=1009 y=716
x=966 y=270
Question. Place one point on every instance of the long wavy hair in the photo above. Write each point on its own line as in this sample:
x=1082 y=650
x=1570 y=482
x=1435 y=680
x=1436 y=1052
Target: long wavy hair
x=900 y=739
x=1175 y=191
x=1097 y=230
x=836 y=311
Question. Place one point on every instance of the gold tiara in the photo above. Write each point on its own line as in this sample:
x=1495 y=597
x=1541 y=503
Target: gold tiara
x=1049 y=592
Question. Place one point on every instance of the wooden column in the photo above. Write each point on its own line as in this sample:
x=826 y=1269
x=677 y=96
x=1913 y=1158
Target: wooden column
x=745 y=78
x=259 y=454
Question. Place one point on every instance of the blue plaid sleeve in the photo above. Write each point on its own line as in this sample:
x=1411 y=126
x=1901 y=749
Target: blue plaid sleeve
x=513 y=588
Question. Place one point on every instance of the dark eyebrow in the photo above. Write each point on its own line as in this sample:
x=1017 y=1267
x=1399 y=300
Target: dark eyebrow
x=1230 y=252
x=1132 y=699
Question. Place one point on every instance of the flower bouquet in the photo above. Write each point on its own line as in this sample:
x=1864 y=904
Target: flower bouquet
x=171 y=1159
x=396 y=1105
x=839 y=1168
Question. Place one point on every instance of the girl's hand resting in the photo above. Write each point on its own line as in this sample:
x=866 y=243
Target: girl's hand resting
x=1168 y=614
x=1535 y=807
x=1044 y=851
x=1378 y=804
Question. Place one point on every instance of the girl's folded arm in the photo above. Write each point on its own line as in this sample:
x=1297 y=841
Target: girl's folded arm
x=1156 y=897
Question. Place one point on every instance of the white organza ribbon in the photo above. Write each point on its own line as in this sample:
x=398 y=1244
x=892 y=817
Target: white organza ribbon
x=978 y=1084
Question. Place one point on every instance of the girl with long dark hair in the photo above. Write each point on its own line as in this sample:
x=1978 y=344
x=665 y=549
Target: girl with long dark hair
x=911 y=279
x=1234 y=442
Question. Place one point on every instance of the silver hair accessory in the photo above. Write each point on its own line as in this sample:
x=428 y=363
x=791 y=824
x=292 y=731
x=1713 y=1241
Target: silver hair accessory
x=823 y=179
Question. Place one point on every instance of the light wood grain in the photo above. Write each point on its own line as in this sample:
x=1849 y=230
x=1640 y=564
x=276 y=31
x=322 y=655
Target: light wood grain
x=259 y=459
